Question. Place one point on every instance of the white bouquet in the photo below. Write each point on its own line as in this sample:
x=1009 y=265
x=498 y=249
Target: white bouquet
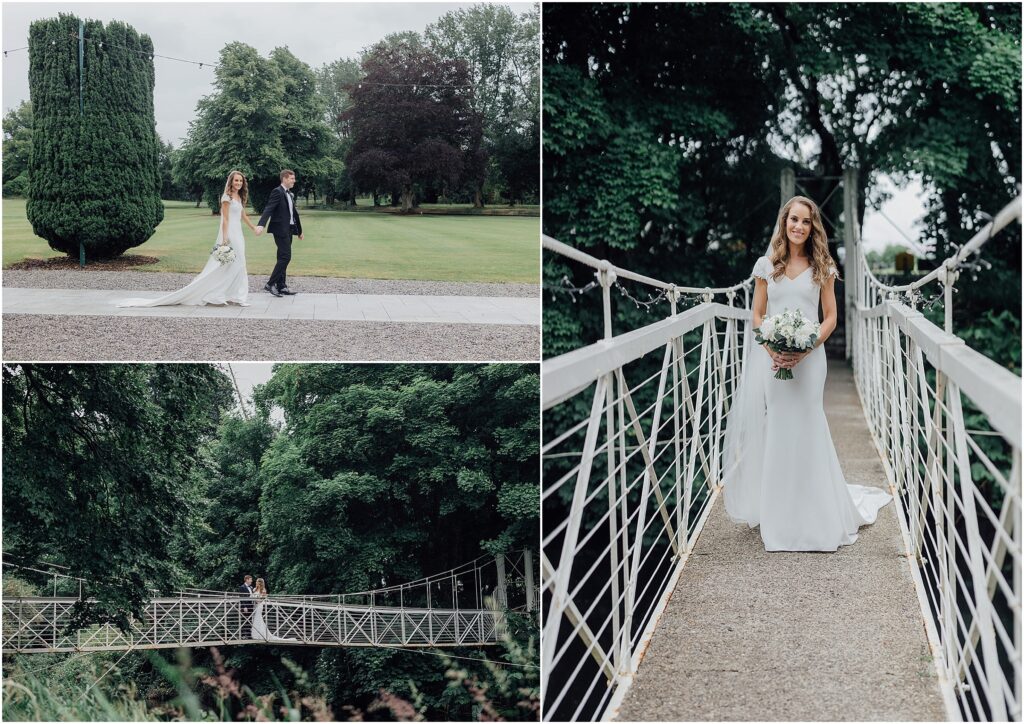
x=789 y=331
x=224 y=253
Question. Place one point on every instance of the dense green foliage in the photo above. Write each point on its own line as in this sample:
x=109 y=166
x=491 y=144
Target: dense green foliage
x=94 y=175
x=136 y=476
x=94 y=461
x=500 y=48
x=666 y=127
x=413 y=125
x=263 y=116
x=17 y=127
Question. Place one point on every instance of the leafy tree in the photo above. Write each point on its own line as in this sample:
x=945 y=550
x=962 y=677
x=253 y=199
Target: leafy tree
x=501 y=49
x=666 y=127
x=264 y=115
x=238 y=126
x=334 y=81
x=305 y=136
x=17 y=125
x=94 y=171
x=232 y=486
x=413 y=124
x=96 y=460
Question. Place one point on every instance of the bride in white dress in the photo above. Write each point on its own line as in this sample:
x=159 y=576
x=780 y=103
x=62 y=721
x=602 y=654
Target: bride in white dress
x=782 y=471
x=217 y=283
x=260 y=630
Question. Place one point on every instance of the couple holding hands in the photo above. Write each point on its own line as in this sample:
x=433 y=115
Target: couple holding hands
x=224 y=280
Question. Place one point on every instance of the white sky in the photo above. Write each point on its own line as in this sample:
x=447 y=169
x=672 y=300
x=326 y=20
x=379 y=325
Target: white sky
x=250 y=374
x=317 y=33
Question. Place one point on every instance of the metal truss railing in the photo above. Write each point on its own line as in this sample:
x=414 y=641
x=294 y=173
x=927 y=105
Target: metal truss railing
x=42 y=625
x=947 y=423
x=633 y=432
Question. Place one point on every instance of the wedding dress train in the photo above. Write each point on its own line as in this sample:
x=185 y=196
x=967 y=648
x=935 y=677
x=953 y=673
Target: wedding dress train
x=781 y=467
x=217 y=283
x=259 y=626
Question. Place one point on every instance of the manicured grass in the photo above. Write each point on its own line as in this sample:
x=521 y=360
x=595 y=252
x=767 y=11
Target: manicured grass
x=336 y=244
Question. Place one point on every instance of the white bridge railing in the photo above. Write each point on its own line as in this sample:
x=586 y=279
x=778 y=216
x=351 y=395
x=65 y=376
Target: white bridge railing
x=632 y=449
x=947 y=423
x=43 y=625
x=463 y=606
x=633 y=432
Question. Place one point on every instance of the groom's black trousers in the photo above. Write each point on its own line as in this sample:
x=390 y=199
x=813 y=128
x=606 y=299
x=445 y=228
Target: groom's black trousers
x=284 y=255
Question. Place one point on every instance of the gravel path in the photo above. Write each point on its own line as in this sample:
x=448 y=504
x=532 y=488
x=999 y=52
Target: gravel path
x=86 y=338
x=169 y=281
x=750 y=635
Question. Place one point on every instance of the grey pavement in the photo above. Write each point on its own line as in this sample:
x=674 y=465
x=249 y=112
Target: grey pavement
x=432 y=309
x=753 y=636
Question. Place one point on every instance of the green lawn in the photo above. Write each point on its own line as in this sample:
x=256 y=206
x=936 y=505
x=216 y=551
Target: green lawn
x=336 y=244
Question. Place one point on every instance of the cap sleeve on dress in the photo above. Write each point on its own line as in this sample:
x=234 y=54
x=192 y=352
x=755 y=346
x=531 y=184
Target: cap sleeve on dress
x=762 y=268
x=832 y=271
x=224 y=198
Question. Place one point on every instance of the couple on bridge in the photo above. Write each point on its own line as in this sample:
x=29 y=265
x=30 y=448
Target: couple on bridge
x=781 y=467
x=253 y=609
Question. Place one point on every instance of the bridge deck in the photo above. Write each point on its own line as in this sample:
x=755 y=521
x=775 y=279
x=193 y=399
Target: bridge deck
x=750 y=635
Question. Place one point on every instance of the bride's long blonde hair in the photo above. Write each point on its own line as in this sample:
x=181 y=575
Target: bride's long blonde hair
x=243 y=193
x=261 y=587
x=817 y=251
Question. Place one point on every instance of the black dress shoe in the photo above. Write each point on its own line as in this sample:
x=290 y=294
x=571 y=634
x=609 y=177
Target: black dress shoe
x=272 y=289
x=286 y=290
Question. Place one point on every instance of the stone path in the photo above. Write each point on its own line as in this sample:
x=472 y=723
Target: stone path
x=755 y=636
x=333 y=307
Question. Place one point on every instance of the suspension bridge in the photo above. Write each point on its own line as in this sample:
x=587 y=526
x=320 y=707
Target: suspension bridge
x=656 y=607
x=464 y=606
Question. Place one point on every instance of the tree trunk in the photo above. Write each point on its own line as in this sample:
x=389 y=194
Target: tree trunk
x=406 y=200
x=478 y=198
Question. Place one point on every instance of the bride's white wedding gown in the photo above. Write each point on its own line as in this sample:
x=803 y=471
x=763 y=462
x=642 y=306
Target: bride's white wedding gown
x=782 y=471
x=259 y=625
x=217 y=283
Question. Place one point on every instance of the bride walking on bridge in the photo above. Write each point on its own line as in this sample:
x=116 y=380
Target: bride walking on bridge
x=781 y=467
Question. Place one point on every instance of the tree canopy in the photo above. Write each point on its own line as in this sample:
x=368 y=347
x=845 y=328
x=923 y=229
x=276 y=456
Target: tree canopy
x=667 y=126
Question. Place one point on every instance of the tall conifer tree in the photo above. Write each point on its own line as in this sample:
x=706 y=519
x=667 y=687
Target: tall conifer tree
x=94 y=168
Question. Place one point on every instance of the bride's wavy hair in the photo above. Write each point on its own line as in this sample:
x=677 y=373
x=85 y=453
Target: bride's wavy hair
x=261 y=586
x=243 y=193
x=817 y=252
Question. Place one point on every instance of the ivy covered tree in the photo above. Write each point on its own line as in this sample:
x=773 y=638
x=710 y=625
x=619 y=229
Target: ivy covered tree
x=413 y=122
x=94 y=169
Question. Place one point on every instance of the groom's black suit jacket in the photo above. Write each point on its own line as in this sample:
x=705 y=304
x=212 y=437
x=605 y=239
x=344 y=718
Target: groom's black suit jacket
x=246 y=602
x=276 y=211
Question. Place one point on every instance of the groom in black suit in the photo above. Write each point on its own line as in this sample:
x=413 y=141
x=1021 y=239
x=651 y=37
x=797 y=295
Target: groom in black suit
x=284 y=224
x=246 y=605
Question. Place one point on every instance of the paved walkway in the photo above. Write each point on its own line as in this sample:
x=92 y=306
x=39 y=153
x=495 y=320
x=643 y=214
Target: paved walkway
x=756 y=636
x=333 y=307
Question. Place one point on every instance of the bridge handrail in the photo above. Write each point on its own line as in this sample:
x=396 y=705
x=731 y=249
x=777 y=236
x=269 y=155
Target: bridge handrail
x=604 y=265
x=994 y=389
x=1005 y=216
x=568 y=374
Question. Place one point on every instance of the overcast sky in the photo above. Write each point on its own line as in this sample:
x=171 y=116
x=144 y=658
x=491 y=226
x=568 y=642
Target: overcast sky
x=317 y=33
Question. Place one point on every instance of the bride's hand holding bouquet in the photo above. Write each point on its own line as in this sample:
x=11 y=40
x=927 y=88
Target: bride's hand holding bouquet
x=788 y=337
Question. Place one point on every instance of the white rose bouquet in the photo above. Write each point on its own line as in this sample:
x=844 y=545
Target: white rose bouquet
x=224 y=253
x=789 y=331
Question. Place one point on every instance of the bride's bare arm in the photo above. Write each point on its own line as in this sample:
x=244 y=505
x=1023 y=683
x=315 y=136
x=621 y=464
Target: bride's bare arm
x=759 y=308
x=245 y=218
x=224 y=206
x=828 y=308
